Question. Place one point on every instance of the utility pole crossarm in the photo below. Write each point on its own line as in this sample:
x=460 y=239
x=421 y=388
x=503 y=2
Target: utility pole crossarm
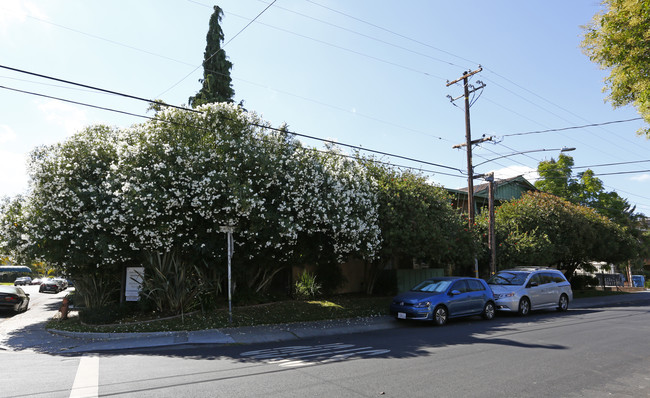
x=474 y=142
x=465 y=76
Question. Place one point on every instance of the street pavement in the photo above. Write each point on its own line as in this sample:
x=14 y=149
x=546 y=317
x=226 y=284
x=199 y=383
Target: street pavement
x=36 y=338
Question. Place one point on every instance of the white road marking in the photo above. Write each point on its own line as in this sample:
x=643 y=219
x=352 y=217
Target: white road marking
x=86 y=382
x=293 y=356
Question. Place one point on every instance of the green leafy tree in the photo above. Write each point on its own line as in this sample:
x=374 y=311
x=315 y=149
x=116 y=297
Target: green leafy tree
x=543 y=229
x=418 y=224
x=617 y=40
x=556 y=177
x=217 y=84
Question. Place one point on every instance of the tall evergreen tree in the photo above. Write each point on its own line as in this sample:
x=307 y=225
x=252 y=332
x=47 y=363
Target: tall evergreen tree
x=217 y=84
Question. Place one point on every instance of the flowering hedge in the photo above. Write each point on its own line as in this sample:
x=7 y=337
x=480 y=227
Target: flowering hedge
x=106 y=198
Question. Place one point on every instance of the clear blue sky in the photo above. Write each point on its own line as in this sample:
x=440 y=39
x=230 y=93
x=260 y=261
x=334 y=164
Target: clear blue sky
x=367 y=72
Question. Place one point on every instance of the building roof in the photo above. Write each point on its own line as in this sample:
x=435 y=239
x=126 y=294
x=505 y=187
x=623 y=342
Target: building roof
x=502 y=193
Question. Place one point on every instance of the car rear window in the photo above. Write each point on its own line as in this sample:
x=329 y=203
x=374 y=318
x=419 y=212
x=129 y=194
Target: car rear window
x=508 y=278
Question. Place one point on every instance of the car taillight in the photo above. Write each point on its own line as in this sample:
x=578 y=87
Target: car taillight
x=10 y=298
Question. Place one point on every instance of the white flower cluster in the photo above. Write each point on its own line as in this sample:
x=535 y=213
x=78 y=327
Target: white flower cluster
x=106 y=195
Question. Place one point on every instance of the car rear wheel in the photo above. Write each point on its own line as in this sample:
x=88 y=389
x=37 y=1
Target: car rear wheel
x=440 y=315
x=563 y=304
x=488 y=311
x=524 y=306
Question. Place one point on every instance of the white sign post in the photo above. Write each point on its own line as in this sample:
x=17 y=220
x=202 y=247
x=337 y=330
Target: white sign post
x=134 y=278
x=229 y=230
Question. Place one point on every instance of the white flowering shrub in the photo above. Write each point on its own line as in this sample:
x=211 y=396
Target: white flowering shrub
x=186 y=177
x=106 y=198
x=14 y=242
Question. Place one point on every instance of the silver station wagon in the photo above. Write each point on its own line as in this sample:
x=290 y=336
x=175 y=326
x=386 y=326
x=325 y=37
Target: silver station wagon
x=523 y=289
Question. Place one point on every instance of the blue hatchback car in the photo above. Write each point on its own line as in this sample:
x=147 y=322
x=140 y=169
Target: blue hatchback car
x=441 y=298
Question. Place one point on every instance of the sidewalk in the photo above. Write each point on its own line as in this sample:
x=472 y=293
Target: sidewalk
x=93 y=342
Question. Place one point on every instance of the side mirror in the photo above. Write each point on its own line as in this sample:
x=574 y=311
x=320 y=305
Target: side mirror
x=454 y=292
x=533 y=284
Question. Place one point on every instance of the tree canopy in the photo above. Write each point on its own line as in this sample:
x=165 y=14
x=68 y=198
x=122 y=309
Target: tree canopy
x=618 y=40
x=585 y=189
x=543 y=229
x=216 y=82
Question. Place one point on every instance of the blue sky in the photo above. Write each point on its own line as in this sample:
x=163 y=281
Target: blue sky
x=371 y=73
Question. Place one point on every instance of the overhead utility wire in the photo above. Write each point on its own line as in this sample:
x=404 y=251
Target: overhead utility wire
x=392 y=164
x=600 y=174
x=78 y=103
x=540 y=97
x=574 y=127
x=93 y=88
x=338 y=108
x=350 y=50
x=456 y=56
x=396 y=34
x=251 y=124
x=363 y=35
x=240 y=79
x=611 y=164
x=195 y=111
x=437 y=49
x=100 y=38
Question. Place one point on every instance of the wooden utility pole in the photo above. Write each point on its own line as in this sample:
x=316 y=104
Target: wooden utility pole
x=492 y=239
x=468 y=138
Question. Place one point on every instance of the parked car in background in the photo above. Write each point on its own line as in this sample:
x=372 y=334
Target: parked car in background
x=36 y=281
x=523 y=289
x=13 y=298
x=49 y=285
x=438 y=299
x=638 y=280
x=63 y=283
x=23 y=281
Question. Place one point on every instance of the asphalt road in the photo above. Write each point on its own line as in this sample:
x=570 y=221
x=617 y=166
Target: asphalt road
x=593 y=352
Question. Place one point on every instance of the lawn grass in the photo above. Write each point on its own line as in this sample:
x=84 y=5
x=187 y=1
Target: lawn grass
x=288 y=311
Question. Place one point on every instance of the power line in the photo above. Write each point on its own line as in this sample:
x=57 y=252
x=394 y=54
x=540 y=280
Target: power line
x=364 y=35
x=574 y=127
x=394 y=33
x=360 y=148
x=454 y=55
x=77 y=103
x=101 y=38
x=93 y=88
x=611 y=164
x=622 y=173
x=392 y=164
x=540 y=97
x=388 y=62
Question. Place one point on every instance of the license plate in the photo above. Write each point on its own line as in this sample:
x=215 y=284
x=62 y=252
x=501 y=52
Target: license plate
x=401 y=315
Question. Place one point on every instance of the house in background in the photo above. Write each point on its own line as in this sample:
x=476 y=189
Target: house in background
x=504 y=190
